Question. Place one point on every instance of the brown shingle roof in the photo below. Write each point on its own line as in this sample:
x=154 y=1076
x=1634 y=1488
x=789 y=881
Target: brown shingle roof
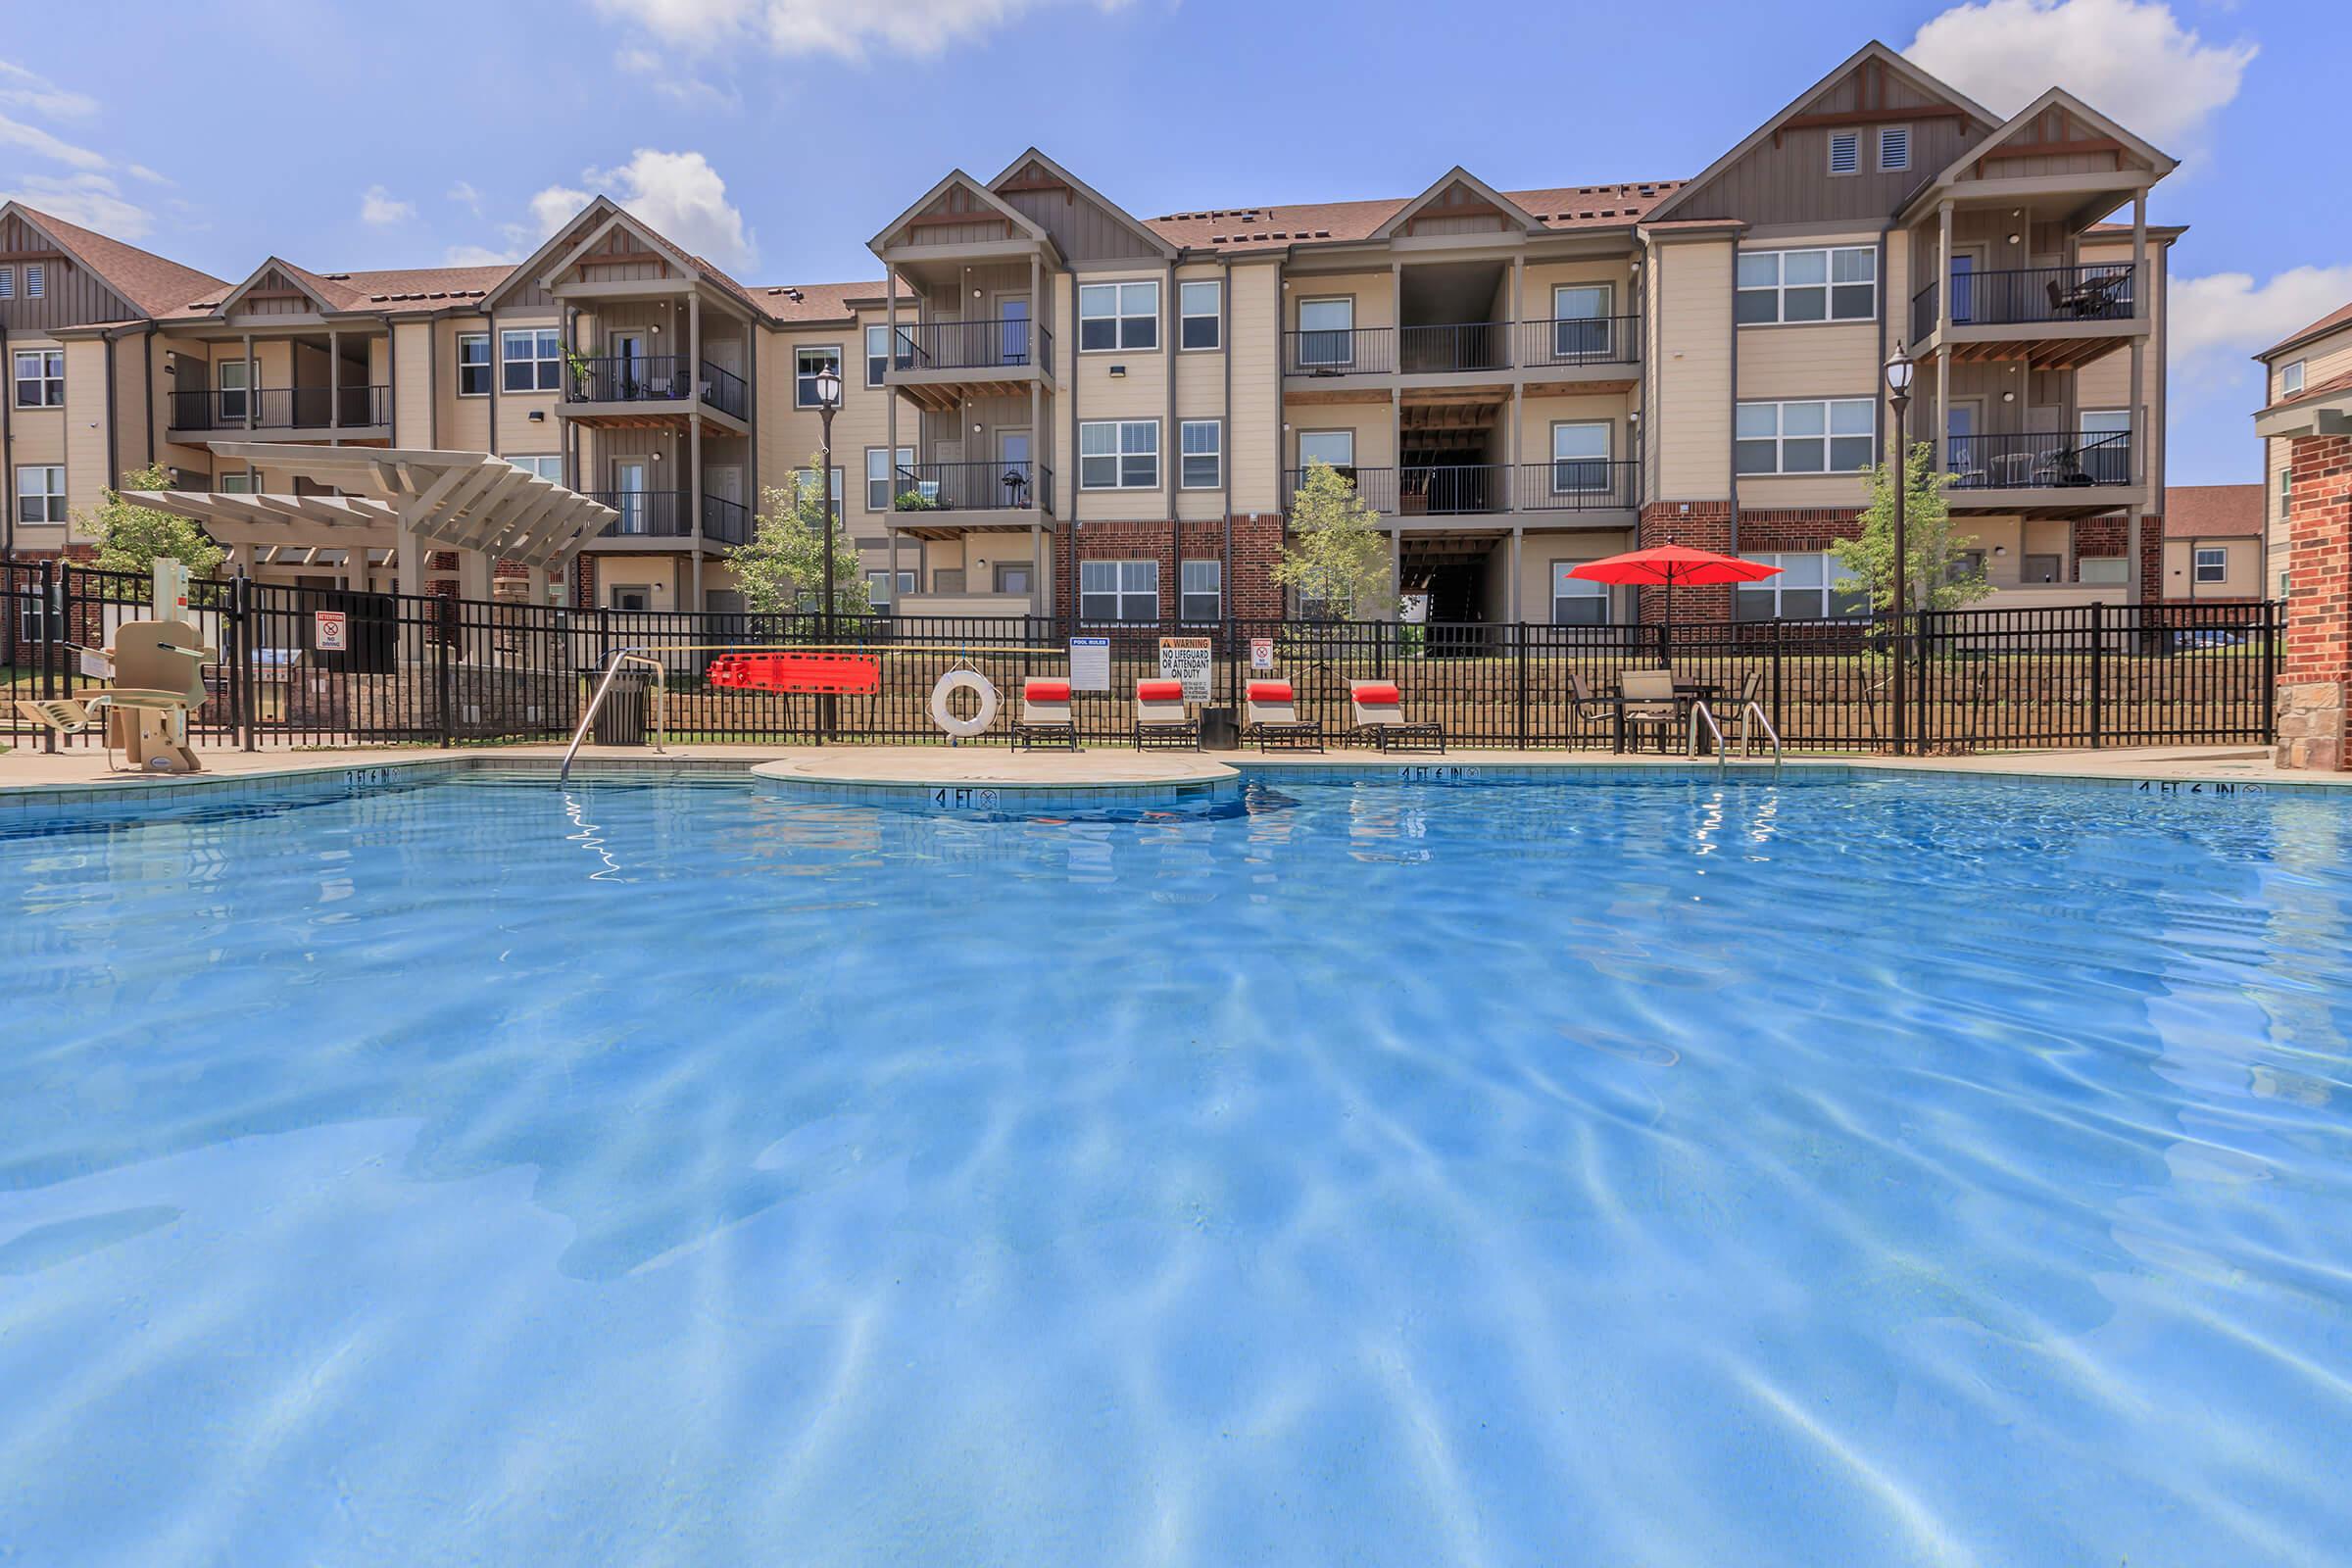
x=2212 y=511
x=1248 y=228
x=2341 y=316
x=820 y=302
x=155 y=285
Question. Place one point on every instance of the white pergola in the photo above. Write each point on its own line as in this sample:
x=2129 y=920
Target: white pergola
x=395 y=505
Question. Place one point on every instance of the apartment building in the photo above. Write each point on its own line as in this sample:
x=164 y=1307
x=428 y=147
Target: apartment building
x=1055 y=405
x=2300 y=371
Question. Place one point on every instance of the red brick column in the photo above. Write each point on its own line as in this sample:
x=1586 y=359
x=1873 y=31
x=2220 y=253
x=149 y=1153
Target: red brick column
x=1694 y=525
x=2316 y=669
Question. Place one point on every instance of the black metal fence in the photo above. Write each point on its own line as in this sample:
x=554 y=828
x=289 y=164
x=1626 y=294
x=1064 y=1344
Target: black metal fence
x=326 y=666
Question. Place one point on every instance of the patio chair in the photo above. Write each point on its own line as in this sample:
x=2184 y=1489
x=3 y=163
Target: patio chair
x=1160 y=719
x=1585 y=707
x=1380 y=716
x=1044 y=719
x=1270 y=717
x=1650 y=706
x=158 y=681
x=1737 y=722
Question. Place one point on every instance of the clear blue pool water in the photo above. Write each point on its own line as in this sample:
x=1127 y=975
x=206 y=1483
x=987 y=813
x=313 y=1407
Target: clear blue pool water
x=485 y=1172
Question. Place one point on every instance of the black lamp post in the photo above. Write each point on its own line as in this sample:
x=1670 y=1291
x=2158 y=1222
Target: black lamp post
x=1899 y=390
x=828 y=404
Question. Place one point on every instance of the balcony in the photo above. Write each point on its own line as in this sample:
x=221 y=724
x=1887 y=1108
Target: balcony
x=1340 y=351
x=2031 y=313
x=1011 y=344
x=1578 y=484
x=1574 y=341
x=646 y=514
x=1466 y=348
x=2048 y=473
x=726 y=522
x=281 y=408
x=1482 y=489
x=652 y=384
x=932 y=488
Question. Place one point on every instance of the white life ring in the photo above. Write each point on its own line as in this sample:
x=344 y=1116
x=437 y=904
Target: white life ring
x=968 y=681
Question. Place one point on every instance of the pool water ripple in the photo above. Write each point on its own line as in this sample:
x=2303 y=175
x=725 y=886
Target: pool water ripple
x=493 y=1172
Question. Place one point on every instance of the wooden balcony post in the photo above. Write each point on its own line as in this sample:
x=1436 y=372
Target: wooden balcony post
x=334 y=382
x=890 y=400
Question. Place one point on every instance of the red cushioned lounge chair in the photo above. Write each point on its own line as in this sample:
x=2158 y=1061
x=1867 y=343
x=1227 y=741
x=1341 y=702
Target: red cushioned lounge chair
x=1160 y=719
x=1044 y=719
x=1271 y=718
x=1380 y=719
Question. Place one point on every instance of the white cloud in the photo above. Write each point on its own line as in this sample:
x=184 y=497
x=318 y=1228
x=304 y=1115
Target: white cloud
x=843 y=27
x=551 y=209
x=478 y=256
x=27 y=89
x=688 y=91
x=2217 y=321
x=679 y=194
x=2130 y=59
x=378 y=209
x=92 y=200
x=34 y=139
x=466 y=196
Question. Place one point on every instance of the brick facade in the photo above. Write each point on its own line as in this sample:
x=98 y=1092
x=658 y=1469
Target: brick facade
x=2314 y=717
x=1257 y=548
x=1707 y=525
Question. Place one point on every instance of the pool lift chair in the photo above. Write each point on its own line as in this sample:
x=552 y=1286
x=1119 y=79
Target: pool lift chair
x=158 y=682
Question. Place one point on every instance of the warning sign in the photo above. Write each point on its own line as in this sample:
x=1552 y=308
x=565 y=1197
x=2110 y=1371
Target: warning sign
x=1188 y=659
x=1261 y=653
x=1090 y=664
x=327 y=631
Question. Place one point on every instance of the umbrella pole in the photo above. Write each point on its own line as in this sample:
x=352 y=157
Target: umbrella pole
x=1666 y=632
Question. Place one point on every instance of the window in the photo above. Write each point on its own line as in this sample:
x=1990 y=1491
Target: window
x=534 y=358
x=1834 y=436
x=1845 y=152
x=2213 y=564
x=1013 y=576
x=41 y=379
x=1838 y=284
x=1580 y=320
x=1118 y=455
x=36 y=281
x=240 y=483
x=1811 y=586
x=473 y=364
x=236 y=377
x=877 y=587
x=2290 y=379
x=1202 y=447
x=1198 y=590
x=1580 y=459
x=1118 y=316
x=1118 y=590
x=1326 y=333
x=881 y=485
x=806 y=478
x=1576 y=602
x=1894 y=148
x=877 y=353
x=547 y=466
x=947 y=579
x=1334 y=446
x=41 y=494
x=632 y=597
x=8 y=282
x=808 y=364
x=2107 y=444
x=2286 y=490
x=1199 y=307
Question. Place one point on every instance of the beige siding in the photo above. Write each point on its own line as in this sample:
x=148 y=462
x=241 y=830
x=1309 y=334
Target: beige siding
x=1250 y=435
x=1813 y=361
x=1374 y=293
x=2242 y=561
x=1694 y=373
x=413 y=385
x=1536 y=417
x=1540 y=551
x=86 y=429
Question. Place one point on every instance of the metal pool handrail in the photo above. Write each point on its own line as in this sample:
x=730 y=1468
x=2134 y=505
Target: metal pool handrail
x=1751 y=718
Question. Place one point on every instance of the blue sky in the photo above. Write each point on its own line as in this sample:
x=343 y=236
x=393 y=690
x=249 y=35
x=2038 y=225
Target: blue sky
x=777 y=135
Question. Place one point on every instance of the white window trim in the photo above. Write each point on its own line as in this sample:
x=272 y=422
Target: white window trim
x=1778 y=586
x=39 y=378
x=1120 y=456
x=2291 y=377
x=1218 y=453
x=1780 y=287
x=871 y=358
x=889 y=480
x=1578 y=589
x=2220 y=564
x=798 y=374
x=46 y=493
x=534 y=358
x=1607 y=458
x=1217 y=593
x=489 y=366
x=1780 y=438
x=1836 y=136
x=535 y=463
x=1216 y=316
x=1119 y=285
x=1299 y=450
x=1120 y=592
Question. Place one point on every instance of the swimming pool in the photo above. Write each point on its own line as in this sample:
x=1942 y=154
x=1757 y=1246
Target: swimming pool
x=1679 y=1173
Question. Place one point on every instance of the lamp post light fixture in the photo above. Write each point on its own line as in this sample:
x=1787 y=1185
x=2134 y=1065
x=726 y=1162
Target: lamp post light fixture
x=828 y=404
x=1900 y=369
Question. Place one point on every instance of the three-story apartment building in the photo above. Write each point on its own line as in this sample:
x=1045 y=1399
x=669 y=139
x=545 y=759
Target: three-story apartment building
x=1054 y=406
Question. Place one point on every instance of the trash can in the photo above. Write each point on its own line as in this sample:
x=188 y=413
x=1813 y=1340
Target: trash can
x=1220 y=731
x=622 y=719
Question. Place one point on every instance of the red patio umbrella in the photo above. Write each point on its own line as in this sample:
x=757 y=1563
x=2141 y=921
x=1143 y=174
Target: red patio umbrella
x=1668 y=564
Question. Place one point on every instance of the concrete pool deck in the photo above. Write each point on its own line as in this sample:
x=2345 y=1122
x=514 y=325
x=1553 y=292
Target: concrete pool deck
x=26 y=774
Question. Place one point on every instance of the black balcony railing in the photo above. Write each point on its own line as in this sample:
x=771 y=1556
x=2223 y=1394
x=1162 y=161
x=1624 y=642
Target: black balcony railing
x=723 y=390
x=1339 y=351
x=1578 y=484
x=2067 y=460
x=1009 y=343
x=726 y=522
x=1425 y=490
x=282 y=408
x=628 y=378
x=1462 y=346
x=2026 y=295
x=1016 y=486
x=646 y=514
x=1579 y=340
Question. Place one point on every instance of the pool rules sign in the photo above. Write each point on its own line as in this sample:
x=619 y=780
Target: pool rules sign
x=1187 y=659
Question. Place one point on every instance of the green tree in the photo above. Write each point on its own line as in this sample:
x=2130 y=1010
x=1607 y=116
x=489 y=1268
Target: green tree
x=133 y=538
x=1336 y=554
x=783 y=567
x=1936 y=578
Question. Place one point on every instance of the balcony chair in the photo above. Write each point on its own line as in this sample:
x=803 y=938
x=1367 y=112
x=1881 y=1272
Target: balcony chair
x=1380 y=718
x=1161 y=716
x=1044 y=719
x=1650 y=706
x=1270 y=718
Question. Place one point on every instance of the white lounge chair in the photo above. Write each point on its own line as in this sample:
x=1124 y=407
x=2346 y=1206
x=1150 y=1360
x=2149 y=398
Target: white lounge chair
x=1161 y=716
x=1270 y=717
x=1380 y=717
x=1046 y=718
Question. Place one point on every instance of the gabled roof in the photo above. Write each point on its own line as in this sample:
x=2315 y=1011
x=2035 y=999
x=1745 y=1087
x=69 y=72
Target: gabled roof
x=2341 y=316
x=1874 y=52
x=605 y=212
x=2212 y=511
x=2055 y=98
x=1459 y=175
x=144 y=279
x=331 y=296
x=1004 y=181
x=1558 y=208
x=991 y=203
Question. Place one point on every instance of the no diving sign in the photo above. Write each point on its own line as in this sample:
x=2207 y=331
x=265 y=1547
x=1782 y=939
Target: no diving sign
x=327 y=631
